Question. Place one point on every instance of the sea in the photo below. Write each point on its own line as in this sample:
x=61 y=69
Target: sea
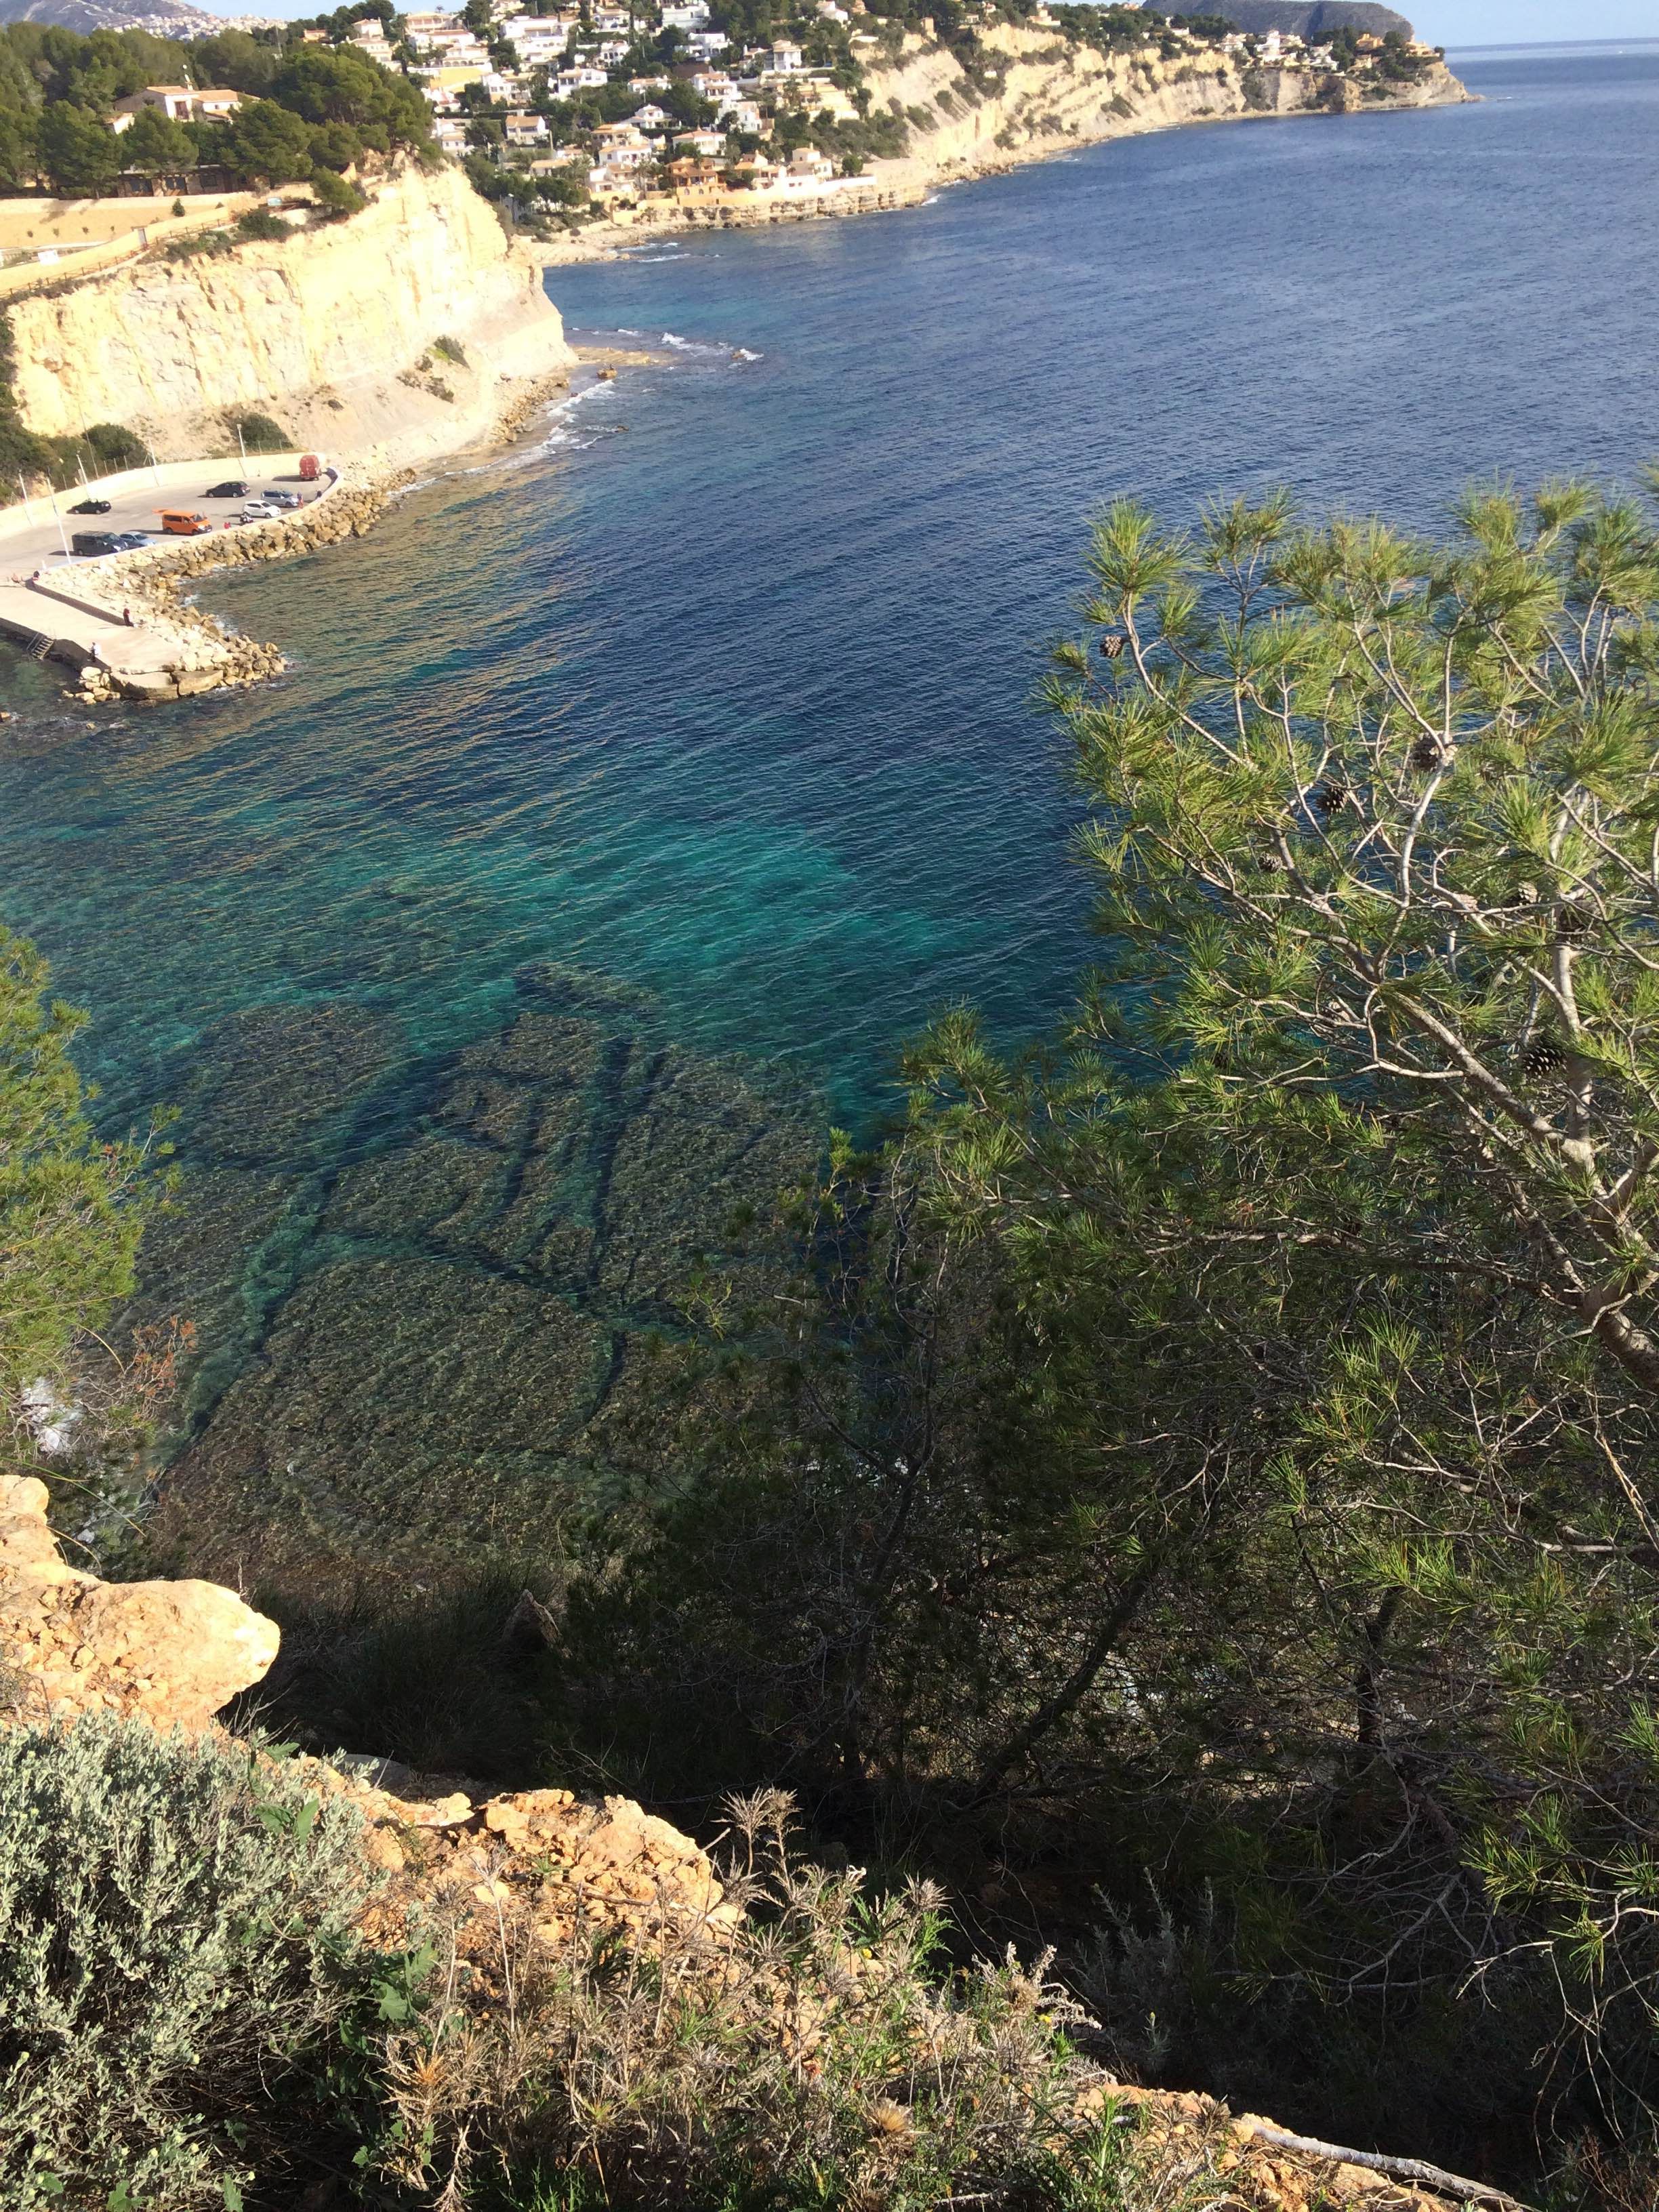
x=703 y=718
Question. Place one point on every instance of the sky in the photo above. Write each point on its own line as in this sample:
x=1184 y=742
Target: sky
x=1523 y=23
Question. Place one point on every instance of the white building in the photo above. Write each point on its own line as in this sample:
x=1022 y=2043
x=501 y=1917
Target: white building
x=526 y=130
x=703 y=45
x=685 y=14
x=535 y=42
x=179 y=103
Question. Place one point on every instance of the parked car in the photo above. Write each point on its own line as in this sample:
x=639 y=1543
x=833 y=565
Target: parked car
x=131 y=541
x=181 y=522
x=89 y=544
x=281 y=498
x=234 y=489
x=258 y=510
x=90 y=507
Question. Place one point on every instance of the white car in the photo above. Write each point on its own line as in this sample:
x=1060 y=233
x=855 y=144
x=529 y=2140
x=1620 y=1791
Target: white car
x=258 y=510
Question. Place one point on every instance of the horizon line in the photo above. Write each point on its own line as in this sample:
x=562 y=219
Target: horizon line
x=1550 y=45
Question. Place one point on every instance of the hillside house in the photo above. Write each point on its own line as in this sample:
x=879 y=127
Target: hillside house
x=179 y=103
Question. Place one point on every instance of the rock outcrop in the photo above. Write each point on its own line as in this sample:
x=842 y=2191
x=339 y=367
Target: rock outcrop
x=173 y=1653
x=539 y=1867
x=399 y=334
x=1035 y=93
x=170 y=1653
x=541 y=1864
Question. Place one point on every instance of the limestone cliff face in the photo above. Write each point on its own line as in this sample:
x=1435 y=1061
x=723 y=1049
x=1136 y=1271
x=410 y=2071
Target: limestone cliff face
x=1039 y=94
x=329 y=331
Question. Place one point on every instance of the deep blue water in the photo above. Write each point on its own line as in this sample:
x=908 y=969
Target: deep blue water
x=734 y=705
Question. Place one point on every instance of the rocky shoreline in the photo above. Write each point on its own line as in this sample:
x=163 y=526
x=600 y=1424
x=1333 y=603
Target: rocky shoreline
x=158 y=580
x=1052 y=100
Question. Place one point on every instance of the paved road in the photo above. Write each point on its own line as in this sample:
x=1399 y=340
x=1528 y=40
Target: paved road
x=31 y=540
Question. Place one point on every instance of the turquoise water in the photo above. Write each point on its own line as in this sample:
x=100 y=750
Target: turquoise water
x=719 y=692
x=734 y=705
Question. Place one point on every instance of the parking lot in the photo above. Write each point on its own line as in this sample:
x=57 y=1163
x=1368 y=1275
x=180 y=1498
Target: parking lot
x=33 y=537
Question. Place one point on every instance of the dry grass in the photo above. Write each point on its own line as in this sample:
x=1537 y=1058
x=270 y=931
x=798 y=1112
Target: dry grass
x=813 y=2055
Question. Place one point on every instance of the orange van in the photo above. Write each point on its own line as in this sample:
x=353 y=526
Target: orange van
x=179 y=522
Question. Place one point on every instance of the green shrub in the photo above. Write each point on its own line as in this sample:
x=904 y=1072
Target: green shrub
x=116 y=446
x=260 y=222
x=175 y=1949
x=71 y=1209
x=450 y=350
x=818 y=2055
x=258 y=433
x=335 y=196
x=206 y=245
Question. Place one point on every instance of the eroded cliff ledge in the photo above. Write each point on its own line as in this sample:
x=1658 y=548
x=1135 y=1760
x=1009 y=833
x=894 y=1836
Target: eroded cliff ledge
x=1034 y=93
x=542 y=1869
x=332 y=332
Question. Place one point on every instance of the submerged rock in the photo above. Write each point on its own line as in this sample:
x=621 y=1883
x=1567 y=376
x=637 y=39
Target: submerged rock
x=409 y=1354
x=269 y=1083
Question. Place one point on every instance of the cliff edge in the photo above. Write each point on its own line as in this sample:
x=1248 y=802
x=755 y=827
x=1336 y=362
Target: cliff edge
x=1033 y=92
x=541 y=1873
x=400 y=334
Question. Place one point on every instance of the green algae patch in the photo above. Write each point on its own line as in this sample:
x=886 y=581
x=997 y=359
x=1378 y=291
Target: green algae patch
x=401 y=1411
x=272 y=1085
x=432 y=1332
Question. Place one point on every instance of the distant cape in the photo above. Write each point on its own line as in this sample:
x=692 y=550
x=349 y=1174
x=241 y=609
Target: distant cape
x=1312 y=19
x=172 y=19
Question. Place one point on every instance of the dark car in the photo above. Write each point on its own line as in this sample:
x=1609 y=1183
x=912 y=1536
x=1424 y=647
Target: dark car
x=90 y=507
x=88 y=544
x=233 y=489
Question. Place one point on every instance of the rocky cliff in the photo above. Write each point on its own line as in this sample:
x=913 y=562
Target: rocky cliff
x=541 y=1872
x=1033 y=92
x=332 y=332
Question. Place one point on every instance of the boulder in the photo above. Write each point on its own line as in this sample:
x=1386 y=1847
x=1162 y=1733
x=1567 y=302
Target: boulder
x=170 y=1653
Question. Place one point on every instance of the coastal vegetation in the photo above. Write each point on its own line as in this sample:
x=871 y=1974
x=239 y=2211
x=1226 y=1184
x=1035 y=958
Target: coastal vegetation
x=72 y=1205
x=1189 y=1489
x=177 y=1967
x=314 y=109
